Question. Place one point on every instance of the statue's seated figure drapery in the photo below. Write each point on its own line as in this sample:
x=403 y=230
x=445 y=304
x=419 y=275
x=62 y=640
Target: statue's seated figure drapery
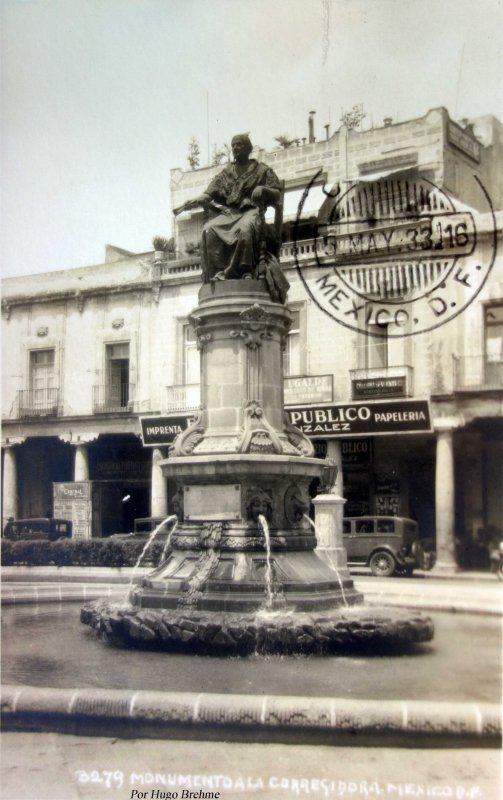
x=236 y=241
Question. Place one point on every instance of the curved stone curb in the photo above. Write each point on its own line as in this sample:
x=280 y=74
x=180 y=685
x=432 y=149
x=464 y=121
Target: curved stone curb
x=58 y=594
x=188 y=715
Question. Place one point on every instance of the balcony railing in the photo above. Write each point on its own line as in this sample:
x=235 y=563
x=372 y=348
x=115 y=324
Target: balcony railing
x=306 y=249
x=116 y=398
x=184 y=397
x=382 y=382
x=476 y=373
x=37 y=402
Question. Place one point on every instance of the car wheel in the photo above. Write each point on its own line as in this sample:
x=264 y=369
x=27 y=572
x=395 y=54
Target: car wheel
x=382 y=564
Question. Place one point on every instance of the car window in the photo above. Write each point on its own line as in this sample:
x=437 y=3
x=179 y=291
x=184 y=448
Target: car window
x=385 y=526
x=364 y=526
x=346 y=526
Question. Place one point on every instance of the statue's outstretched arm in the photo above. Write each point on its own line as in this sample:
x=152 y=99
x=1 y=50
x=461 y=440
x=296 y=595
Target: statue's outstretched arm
x=201 y=200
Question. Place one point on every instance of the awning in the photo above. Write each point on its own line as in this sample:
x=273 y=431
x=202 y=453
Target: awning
x=371 y=177
x=292 y=199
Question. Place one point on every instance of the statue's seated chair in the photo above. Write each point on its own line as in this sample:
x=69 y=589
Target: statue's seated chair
x=270 y=247
x=269 y=267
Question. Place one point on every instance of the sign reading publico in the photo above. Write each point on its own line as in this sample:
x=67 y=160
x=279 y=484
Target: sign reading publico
x=156 y=431
x=346 y=419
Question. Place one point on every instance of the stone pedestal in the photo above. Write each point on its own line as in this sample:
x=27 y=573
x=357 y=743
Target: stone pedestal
x=243 y=473
x=329 y=511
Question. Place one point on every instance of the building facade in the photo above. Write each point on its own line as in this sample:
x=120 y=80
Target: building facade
x=101 y=366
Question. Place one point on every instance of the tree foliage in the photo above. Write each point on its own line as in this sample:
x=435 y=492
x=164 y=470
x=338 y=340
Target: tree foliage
x=352 y=119
x=285 y=142
x=194 y=152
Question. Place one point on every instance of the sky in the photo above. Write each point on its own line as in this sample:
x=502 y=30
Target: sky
x=100 y=98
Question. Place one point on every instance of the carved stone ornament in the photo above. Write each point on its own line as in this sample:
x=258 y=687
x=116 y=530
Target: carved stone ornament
x=255 y=327
x=257 y=502
x=80 y=300
x=296 y=437
x=259 y=435
x=203 y=340
x=185 y=442
x=243 y=543
x=210 y=537
x=118 y=323
x=6 y=308
x=296 y=504
x=42 y=331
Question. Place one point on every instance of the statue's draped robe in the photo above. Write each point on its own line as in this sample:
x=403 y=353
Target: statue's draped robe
x=231 y=241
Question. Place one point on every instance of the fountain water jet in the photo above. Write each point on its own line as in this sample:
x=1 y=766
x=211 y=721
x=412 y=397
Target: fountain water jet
x=172 y=518
x=268 y=572
x=334 y=567
x=243 y=473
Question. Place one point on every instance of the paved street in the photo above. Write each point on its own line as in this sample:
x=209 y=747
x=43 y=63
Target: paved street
x=56 y=767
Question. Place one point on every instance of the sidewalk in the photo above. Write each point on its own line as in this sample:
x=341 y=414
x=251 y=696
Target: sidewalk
x=50 y=766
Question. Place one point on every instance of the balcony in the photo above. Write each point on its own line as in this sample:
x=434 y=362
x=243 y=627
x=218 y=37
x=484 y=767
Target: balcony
x=37 y=403
x=184 y=397
x=113 y=399
x=477 y=374
x=382 y=382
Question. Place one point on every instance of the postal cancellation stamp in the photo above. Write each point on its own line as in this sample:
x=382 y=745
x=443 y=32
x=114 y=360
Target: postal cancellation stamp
x=396 y=252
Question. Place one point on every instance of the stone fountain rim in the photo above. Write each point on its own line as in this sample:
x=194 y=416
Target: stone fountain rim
x=160 y=714
x=270 y=461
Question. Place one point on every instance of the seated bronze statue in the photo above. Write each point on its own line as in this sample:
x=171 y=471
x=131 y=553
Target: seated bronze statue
x=236 y=242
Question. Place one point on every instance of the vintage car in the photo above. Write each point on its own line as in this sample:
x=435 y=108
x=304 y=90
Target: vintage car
x=143 y=528
x=388 y=545
x=46 y=528
x=146 y=525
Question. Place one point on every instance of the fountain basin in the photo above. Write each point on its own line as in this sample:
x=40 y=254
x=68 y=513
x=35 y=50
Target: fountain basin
x=279 y=631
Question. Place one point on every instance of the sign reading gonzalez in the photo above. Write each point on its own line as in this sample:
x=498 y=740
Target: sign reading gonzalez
x=405 y=416
x=161 y=430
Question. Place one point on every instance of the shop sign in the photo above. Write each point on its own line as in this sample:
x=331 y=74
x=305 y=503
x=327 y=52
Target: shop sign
x=346 y=419
x=73 y=501
x=125 y=469
x=309 y=389
x=377 y=387
x=403 y=161
x=157 y=431
x=387 y=484
x=320 y=448
x=77 y=490
x=356 y=451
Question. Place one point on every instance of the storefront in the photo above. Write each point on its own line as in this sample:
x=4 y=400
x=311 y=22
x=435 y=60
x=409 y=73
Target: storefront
x=387 y=455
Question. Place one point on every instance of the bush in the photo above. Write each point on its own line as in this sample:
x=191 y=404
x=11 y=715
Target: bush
x=79 y=553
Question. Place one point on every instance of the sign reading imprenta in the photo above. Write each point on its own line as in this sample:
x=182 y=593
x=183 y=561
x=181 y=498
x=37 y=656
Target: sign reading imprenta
x=162 y=430
x=345 y=419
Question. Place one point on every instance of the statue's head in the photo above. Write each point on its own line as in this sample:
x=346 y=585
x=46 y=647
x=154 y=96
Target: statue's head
x=241 y=146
